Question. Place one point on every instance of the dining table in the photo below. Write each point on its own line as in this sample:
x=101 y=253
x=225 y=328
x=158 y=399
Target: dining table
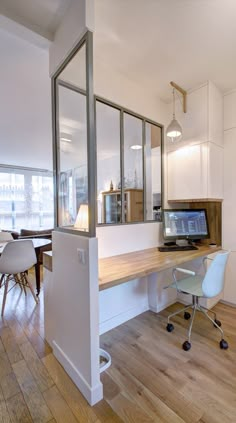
x=37 y=243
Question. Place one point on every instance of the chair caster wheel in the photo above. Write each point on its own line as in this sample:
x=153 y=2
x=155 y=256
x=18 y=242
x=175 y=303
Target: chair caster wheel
x=186 y=346
x=218 y=322
x=187 y=315
x=170 y=327
x=224 y=344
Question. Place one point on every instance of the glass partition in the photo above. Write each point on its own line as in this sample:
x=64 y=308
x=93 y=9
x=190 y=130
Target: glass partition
x=108 y=164
x=129 y=166
x=133 y=169
x=74 y=148
x=153 y=171
x=73 y=190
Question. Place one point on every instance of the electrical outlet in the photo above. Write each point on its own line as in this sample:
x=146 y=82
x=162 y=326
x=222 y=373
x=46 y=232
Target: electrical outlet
x=81 y=255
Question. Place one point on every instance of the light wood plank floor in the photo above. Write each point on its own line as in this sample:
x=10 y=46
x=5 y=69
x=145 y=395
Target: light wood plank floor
x=151 y=378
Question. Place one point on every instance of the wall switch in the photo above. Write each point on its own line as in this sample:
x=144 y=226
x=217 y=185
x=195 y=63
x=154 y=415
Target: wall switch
x=81 y=255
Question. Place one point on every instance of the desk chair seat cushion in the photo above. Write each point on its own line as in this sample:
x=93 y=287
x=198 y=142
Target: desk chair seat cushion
x=191 y=285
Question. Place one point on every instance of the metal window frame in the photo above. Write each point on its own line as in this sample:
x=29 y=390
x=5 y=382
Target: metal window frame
x=144 y=120
x=92 y=145
x=86 y=40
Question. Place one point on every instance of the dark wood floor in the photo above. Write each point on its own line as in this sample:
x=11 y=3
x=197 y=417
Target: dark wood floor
x=151 y=378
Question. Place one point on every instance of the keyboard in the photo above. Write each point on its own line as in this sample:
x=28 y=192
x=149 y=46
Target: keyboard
x=165 y=248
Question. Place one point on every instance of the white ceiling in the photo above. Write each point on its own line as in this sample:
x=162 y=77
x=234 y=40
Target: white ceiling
x=156 y=41
x=41 y=16
x=152 y=42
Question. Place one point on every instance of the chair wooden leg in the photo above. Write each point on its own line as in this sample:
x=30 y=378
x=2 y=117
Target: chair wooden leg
x=5 y=294
x=17 y=280
x=30 y=287
x=23 y=281
x=1 y=280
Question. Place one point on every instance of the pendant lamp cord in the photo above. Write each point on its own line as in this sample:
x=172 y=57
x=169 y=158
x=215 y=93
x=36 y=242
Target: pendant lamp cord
x=173 y=103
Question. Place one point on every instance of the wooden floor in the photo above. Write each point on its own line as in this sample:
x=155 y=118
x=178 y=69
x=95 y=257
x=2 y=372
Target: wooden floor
x=151 y=378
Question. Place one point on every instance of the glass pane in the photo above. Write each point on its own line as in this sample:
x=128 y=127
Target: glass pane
x=108 y=164
x=153 y=172
x=73 y=178
x=133 y=168
x=75 y=71
x=19 y=208
x=42 y=201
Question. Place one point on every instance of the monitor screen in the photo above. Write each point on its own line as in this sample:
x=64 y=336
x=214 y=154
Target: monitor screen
x=185 y=224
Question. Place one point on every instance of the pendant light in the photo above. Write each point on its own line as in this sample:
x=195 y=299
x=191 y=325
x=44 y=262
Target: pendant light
x=174 y=129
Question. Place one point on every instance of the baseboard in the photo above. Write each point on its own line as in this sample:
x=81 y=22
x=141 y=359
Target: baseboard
x=228 y=303
x=92 y=394
x=117 y=320
x=162 y=306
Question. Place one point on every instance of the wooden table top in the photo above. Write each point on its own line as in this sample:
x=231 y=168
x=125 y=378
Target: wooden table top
x=125 y=267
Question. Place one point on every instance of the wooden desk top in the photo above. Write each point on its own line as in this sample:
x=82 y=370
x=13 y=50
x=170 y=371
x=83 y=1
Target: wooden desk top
x=125 y=267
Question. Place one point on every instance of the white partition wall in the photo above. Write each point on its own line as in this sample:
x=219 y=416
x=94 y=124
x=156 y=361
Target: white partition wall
x=72 y=303
x=72 y=309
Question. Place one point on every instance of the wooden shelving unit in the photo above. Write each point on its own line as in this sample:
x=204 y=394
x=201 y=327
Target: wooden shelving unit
x=133 y=205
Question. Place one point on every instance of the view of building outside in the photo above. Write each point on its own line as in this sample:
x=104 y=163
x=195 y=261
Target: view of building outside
x=26 y=199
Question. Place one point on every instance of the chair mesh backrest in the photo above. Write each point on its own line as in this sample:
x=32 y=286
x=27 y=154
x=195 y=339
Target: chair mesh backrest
x=17 y=256
x=213 y=283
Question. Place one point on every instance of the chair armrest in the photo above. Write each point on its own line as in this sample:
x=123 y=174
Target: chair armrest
x=188 y=272
x=204 y=262
x=178 y=269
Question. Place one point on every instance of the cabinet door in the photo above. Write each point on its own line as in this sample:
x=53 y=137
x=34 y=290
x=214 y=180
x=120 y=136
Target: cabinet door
x=215 y=171
x=135 y=206
x=112 y=208
x=187 y=172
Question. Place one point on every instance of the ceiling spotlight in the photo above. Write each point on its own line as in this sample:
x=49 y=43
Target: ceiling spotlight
x=136 y=147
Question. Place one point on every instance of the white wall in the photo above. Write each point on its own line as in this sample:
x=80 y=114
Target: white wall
x=121 y=90
x=229 y=204
x=25 y=107
x=78 y=19
x=121 y=239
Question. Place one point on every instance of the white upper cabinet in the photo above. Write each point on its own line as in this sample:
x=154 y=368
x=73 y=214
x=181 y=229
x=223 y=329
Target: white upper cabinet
x=230 y=110
x=195 y=164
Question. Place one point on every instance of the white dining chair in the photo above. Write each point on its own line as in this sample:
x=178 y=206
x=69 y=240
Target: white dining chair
x=17 y=257
x=208 y=286
x=4 y=237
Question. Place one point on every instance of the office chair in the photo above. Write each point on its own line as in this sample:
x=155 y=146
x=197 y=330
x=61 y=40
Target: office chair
x=207 y=286
x=17 y=257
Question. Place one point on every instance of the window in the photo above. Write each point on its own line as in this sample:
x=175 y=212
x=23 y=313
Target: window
x=26 y=198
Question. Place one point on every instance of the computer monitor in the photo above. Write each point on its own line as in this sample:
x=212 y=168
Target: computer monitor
x=190 y=224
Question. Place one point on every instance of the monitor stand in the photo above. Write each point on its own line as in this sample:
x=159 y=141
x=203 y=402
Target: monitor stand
x=179 y=242
x=179 y=245
x=183 y=242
